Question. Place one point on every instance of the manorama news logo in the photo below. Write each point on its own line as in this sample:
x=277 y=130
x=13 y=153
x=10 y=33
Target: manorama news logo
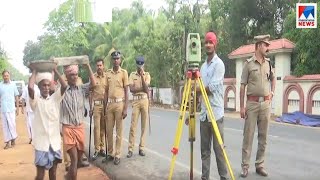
x=306 y=15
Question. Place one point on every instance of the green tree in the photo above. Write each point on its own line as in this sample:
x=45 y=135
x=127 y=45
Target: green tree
x=306 y=56
x=3 y=56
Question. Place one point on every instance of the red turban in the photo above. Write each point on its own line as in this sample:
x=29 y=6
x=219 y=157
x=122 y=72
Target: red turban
x=210 y=36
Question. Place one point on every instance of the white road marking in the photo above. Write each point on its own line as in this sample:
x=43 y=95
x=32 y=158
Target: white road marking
x=239 y=130
x=196 y=171
x=157 y=116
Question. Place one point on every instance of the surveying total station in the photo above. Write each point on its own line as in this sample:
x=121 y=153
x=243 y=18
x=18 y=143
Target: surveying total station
x=193 y=51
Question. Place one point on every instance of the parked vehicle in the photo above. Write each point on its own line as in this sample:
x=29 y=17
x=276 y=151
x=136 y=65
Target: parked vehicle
x=20 y=85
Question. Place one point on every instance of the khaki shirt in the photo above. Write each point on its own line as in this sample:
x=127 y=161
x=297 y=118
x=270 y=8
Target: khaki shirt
x=135 y=79
x=99 y=89
x=116 y=82
x=255 y=75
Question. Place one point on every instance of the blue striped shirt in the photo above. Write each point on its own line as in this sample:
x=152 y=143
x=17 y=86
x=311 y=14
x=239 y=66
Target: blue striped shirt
x=212 y=75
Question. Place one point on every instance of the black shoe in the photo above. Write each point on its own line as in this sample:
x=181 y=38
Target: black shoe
x=13 y=142
x=30 y=141
x=7 y=146
x=262 y=172
x=102 y=153
x=116 y=161
x=95 y=156
x=141 y=153
x=129 y=155
x=108 y=158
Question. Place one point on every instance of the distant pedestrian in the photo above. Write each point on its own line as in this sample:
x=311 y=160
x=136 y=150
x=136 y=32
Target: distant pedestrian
x=9 y=97
x=29 y=115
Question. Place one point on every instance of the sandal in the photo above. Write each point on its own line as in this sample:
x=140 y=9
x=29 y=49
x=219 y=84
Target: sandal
x=7 y=146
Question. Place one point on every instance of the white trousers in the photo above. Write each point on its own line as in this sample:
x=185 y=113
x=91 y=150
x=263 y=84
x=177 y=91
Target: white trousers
x=29 y=119
x=9 y=126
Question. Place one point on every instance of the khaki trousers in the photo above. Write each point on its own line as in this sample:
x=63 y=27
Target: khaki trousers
x=138 y=106
x=114 y=117
x=257 y=114
x=99 y=127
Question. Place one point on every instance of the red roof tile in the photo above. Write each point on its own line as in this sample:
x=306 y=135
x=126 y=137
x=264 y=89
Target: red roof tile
x=274 y=45
x=305 y=77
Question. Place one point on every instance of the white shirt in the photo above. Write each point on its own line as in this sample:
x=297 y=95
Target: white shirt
x=46 y=124
x=212 y=75
x=25 y=96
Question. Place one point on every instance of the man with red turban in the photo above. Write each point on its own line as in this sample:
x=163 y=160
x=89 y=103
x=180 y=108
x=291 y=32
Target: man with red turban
x=212 y=74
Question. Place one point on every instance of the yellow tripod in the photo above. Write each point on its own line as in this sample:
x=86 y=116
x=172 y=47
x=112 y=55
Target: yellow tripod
x=194 y=77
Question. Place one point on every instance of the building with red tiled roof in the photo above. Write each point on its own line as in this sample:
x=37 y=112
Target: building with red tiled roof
x=291 y=94
x=276 y=46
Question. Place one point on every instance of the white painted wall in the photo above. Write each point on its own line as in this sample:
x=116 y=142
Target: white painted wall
x=239 y=67
x=231 y=99
x=316 y=103
x=306 y=85
x=282 y=69
x=294 y=101
x=293 y=95
x=165 y=95
x=316 y=96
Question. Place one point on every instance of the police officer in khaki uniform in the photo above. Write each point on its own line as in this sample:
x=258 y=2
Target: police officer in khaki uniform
x=97 y=98
x=257 y=75
x=116 y=97
x=138 y=83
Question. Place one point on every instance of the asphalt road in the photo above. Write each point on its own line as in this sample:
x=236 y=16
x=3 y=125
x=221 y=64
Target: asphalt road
x=292 y=151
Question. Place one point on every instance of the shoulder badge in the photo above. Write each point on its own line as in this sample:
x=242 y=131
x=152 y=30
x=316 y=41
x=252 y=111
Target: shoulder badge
x=123 y=70
x=249 y=60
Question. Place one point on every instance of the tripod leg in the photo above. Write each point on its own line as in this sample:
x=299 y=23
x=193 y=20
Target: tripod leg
x=186 y=93
x=192 y=121
x=214 y=125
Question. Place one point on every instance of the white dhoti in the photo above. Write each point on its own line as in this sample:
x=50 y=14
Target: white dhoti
x=9 y=126
x=29 y=119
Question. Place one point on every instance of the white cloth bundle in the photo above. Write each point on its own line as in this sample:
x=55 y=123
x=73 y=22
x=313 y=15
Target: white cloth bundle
x=43 y=75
